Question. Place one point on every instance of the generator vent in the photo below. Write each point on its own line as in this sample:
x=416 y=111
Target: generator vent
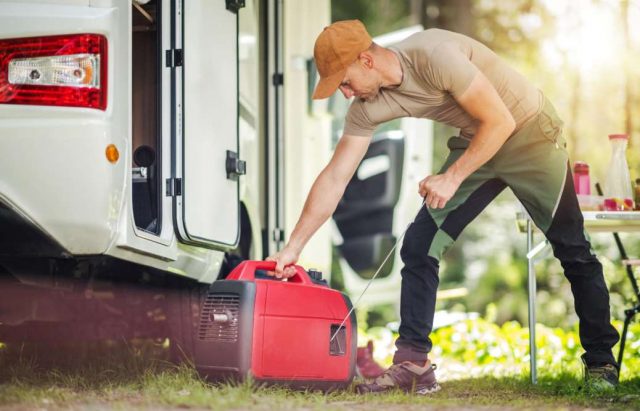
x=219 y=318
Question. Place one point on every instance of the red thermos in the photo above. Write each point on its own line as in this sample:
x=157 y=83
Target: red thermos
x=581 y=180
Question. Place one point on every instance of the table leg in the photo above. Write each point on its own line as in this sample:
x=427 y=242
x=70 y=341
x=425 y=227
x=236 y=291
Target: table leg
x=531 y=277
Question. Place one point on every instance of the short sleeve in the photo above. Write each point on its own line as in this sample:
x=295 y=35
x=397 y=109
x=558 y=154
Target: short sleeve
x=357 y=122
x=450 y=69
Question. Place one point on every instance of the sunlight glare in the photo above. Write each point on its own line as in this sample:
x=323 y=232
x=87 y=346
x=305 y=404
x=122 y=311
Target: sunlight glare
x=589 y=35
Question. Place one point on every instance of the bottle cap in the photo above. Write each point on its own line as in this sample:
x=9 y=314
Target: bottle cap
x=618 y=136
x=580 y=166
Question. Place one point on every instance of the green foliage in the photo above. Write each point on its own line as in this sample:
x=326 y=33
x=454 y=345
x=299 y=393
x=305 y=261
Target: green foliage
x=380 y=314
x=514 y=29
x=380 y=16
x=473 y=348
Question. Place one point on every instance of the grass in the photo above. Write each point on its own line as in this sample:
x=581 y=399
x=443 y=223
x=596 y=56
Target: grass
x=133 y=378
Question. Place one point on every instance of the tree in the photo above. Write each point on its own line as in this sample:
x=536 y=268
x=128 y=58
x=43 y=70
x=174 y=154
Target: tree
x=380 y=16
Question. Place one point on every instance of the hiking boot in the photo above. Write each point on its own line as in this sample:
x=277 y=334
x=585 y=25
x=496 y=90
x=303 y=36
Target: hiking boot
x=601 y=377
x=405 y=376
x=366 y=366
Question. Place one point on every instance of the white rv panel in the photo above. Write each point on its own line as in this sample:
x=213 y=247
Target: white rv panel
x=53 y=168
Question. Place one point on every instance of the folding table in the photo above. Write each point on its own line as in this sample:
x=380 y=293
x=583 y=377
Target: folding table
x=594 y=222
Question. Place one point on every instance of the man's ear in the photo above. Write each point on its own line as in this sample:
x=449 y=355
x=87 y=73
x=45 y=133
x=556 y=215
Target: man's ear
x=366 y=59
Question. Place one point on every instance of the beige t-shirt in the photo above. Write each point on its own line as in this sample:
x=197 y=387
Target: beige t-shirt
x=437 y=66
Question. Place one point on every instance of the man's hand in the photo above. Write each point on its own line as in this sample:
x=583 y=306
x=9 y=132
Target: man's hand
x=438 y=189
x=284 y=259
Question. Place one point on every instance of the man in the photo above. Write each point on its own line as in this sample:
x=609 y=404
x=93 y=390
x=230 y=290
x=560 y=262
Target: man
x=510 y=136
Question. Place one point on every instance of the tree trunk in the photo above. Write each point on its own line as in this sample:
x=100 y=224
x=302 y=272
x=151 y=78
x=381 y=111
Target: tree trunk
x=455 y=15
x=416 y=10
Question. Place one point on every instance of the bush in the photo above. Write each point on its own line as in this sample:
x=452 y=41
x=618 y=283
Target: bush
x=480 y=347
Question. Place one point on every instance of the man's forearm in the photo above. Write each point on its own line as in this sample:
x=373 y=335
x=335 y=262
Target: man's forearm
x=319 y=206
x=484 y=145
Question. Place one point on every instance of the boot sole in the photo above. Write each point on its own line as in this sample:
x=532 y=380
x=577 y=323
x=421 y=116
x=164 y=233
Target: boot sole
x=418 y=390
x=426 y=390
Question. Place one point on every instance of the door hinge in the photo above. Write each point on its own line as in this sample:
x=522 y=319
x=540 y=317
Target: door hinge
x=174 y=58
x=235 y=166
x=278 y=234
x=277 y=79
x=174 y=187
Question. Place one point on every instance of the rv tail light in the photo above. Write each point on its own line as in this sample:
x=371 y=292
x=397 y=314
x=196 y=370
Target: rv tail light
x=56 y=70
x=78 y=70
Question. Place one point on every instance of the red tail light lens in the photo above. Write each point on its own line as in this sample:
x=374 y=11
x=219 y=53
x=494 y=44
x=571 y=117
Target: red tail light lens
x=54 y=71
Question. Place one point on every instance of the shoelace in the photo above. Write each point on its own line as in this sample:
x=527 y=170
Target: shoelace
x=392 y=372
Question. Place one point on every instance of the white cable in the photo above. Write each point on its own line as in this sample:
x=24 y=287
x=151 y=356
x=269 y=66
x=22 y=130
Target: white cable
x=376 y=274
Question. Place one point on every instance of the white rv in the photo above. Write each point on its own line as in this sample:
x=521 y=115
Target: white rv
x=141 y=147
x=142 y=153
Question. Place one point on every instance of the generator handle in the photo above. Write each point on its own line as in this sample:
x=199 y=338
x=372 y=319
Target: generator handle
x=247 y=271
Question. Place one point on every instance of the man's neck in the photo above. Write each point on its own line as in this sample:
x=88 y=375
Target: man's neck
x=391 y=70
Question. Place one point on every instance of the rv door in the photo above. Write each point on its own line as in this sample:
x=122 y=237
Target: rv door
x=206 y=162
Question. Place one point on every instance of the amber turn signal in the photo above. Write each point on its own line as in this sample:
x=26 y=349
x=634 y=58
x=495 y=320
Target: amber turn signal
x=112 y=153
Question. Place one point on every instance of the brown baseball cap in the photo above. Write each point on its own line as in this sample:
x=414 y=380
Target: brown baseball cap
x=336 y=48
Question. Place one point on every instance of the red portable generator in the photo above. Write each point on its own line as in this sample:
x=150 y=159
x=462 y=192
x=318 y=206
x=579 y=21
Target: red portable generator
x=275 y=331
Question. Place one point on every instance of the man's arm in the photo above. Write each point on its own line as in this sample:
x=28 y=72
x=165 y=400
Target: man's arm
x=495 y=125
x=322 y=199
